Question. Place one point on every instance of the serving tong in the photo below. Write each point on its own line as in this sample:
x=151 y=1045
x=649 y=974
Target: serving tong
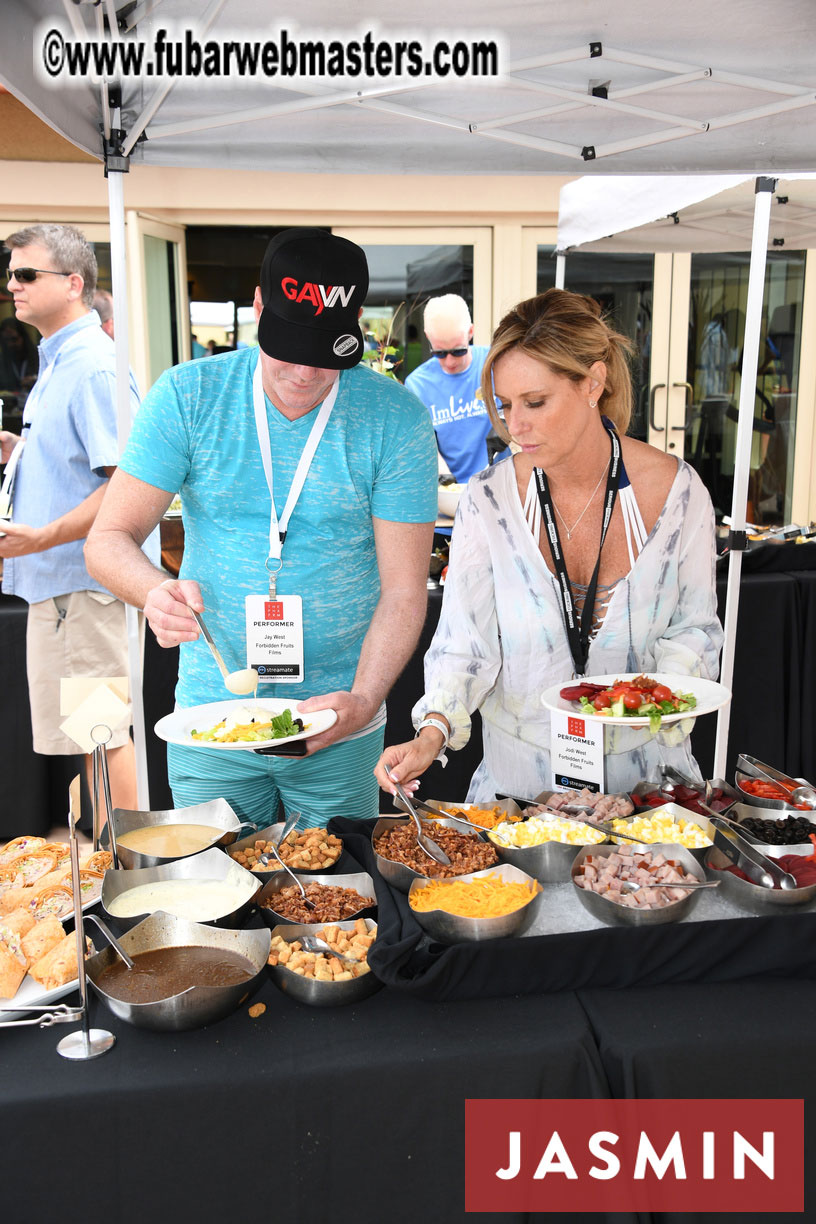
x=101 y=780
x=60 y=1013
x=797 y=791
x=426 y=843
x=759 y=868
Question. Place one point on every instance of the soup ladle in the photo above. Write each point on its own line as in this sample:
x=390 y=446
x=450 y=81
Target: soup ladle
x=242 y=682
x=111 y=938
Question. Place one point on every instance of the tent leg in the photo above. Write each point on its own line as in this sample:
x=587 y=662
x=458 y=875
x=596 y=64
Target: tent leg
x=742 y=463
x=560 y=270
x=116 y=210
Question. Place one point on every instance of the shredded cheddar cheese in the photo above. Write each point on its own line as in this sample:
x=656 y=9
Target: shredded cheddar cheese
x=488 y=897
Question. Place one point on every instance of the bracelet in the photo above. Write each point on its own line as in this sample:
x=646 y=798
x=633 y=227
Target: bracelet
x=440 y=726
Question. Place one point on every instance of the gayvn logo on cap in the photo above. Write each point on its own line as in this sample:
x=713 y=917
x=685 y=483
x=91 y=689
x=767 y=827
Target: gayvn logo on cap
x=318 y=295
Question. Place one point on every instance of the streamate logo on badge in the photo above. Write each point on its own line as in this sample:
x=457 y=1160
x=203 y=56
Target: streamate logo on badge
x=576 y=726
x=273 y=610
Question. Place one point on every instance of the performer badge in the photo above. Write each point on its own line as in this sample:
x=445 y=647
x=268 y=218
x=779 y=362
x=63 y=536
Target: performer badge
x=274 y=635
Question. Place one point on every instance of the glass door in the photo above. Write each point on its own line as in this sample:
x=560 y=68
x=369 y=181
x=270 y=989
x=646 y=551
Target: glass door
x=717 y=302
x=685 y=315
x=624 y=287
x=159 y=309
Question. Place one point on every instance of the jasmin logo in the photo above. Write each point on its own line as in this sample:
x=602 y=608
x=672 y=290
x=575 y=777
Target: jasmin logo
x=741 y=1155
x=319 y=295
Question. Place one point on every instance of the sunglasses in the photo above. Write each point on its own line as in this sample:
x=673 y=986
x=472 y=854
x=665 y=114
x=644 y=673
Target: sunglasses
x=457 y=352
x=27 y=276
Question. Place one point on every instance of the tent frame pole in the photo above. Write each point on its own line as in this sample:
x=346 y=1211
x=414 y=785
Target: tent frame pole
x=116 y=219
x=765 y=188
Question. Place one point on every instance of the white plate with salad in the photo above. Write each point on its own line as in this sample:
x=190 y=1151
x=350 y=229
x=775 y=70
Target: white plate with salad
x=242 y=724
x=667 y=699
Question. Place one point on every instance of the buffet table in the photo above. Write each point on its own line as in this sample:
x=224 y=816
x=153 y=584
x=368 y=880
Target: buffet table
x=356 y=1115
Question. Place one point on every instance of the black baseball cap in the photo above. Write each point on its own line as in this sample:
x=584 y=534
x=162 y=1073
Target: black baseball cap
x=312 y=287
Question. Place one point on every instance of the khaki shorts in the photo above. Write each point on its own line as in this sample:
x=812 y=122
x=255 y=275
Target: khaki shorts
x=81 y=634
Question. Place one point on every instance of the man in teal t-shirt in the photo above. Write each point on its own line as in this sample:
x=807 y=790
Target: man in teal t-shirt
x=356 y=529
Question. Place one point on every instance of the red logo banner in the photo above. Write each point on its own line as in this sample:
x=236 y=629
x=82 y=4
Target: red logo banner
x=576 y=726
x=273 y=609
x=634 y=1155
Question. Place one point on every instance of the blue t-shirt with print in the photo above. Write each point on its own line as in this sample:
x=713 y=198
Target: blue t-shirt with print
x=457 y=411
x=195 y=434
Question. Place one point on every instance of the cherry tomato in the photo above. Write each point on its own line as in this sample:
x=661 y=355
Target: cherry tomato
x=632 y=700
x=661 y=693
x=602 y=702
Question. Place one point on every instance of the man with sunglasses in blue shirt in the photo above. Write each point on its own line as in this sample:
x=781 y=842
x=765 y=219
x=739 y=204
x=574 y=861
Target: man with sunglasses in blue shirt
x=70 y=449
x=448 y=385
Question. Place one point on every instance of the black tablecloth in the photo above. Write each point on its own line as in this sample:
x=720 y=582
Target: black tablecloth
x=355 y=1115
x=303 y=1116
x=742 y=1039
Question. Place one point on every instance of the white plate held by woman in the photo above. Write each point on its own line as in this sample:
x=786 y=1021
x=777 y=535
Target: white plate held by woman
x=709 y=694
x=176 y=728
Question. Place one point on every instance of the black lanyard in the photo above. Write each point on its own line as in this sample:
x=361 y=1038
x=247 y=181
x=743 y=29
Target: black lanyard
x=579 y=627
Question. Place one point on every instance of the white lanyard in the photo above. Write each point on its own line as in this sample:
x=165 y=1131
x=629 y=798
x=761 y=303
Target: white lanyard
x=37 y=391
x=278 y=528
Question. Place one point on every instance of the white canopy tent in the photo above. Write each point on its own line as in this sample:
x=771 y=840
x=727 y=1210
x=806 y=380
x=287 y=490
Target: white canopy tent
x=702 y=214
x=603 y=88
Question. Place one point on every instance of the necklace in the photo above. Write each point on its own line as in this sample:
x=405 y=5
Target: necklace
x=569 y=530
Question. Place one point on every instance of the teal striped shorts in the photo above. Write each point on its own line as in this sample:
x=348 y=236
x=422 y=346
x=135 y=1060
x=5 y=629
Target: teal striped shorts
x=336 y=781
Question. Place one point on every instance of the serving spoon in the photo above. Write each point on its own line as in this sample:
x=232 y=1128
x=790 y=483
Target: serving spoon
x=313 y=943
x=242 y=682
x=631 y=886
x=291 y=822
x=424 y=842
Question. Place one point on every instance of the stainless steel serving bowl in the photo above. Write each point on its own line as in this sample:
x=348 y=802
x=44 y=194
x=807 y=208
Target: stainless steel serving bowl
x=550 y=862
x=453 y=928
x=678 y=813
x=753 y=897
x=623 y=915
x=273 y=833
x=648 y=788
x=321 y=994
x=215 y=812
x=209 y=865
x=198 y=1005
x=397 y=874
x=775 y=805
x=360 y=881
x=744 y=811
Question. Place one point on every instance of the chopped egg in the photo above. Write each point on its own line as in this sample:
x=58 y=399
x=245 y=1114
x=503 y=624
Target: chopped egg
x=536 y=831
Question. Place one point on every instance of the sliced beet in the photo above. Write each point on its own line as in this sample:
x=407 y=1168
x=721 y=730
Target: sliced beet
x=574 y=692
